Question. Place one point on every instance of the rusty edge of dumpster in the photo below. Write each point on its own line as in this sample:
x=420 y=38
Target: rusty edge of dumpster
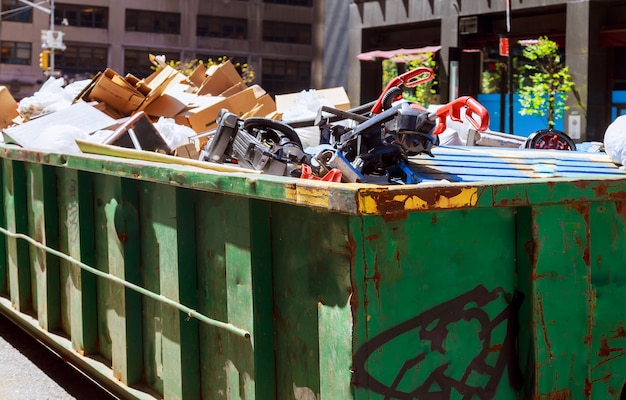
x=388 y=201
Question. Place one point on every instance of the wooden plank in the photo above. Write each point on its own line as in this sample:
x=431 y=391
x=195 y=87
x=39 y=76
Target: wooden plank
x=76 y=237
x=16 y=213
x=43 y=227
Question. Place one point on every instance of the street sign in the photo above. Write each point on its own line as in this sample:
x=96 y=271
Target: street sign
x=52 y=40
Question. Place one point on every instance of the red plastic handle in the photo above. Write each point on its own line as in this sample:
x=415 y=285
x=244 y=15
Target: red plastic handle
x=409 y=79
x=334 y=175
x=453 y=109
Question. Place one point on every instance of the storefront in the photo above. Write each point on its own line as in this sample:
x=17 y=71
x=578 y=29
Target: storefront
x=591 y=36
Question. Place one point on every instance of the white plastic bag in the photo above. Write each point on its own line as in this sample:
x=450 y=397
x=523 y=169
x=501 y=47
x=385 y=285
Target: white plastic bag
x=174 y=134
x=615 y=141
x=49 y=98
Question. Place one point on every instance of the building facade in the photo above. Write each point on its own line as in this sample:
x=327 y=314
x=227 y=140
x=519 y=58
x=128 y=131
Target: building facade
x=281 y=39
x=591 y=33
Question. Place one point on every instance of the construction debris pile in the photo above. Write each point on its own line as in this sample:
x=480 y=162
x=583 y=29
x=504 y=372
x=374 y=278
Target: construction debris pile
x=212 y=118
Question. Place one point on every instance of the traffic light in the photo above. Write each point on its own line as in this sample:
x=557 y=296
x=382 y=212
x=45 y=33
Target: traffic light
x=44 y=60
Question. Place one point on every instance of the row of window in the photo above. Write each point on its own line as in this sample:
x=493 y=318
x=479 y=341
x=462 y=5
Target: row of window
x=161 y=22
x=277 y=76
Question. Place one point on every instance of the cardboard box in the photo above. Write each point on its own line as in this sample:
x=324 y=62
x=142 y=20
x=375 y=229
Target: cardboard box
x=236 y=88
x=187 y=150
x=202 y=119
x=198 y=75
x=267 y=105
x=110 y=88
x=219 y=78
x=8 y=108
x=335 y=96
x=158 y=83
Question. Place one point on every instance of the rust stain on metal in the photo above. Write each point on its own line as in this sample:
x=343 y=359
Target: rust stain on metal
x=544 y=328
x=530 y=248
x=371 y=237
x=376 y=277
x=353 y=290
x=619 y=332
x=606 y=350
x=588 y=386
x=433 y=219
x=518 y=200
x=394 y=205
x=398 y=257
x=122 y=236
x=601 y=189
x=495 y=348
x=621 y=209
x=583 y=210
x=560 y=394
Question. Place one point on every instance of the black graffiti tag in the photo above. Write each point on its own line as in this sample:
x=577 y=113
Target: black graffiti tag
x=432 y=327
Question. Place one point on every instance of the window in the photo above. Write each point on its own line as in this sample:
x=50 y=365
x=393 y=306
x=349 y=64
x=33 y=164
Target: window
x=286 y=32
x=282 y=76
x=152 y=21
x=15 y=53
x=83 y=16
x=306 y=3
x=137 y=62
x=81 y=60
x=16 y=11
x=222 y=27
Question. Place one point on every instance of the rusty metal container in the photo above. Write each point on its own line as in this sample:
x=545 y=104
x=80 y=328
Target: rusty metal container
x=499 y=277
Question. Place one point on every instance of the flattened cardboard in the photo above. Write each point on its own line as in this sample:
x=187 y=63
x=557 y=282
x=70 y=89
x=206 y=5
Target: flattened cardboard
x=336 y=96
x=80 y=115
x=203 y=119
x=8 y=108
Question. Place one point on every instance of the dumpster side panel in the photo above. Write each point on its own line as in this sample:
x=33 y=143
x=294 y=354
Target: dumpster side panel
x=168 y=251
x=606 y=325
x=312 y=257
x=441 y=306
x=116 y=200
x=235 y=285
x=76 y=239
x=152 y=318
x=43 y=227
x=16 y=212
x=561 y=297
x=212 y=289
x=571 y=265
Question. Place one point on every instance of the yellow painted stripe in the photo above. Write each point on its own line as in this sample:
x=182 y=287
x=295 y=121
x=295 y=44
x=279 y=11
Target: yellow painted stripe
x=385 y=201
x=311 y=194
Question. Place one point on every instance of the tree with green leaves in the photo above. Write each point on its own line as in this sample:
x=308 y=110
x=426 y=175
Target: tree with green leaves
x=423 y=94
x=544 y=82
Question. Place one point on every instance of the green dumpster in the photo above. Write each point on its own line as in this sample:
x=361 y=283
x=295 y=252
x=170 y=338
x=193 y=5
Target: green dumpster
x=501 y=276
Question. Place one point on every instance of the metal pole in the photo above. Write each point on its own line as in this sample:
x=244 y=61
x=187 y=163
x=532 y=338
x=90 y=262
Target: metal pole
x=52 y=30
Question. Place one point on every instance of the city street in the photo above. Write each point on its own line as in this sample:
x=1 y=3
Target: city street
x=28 y=371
